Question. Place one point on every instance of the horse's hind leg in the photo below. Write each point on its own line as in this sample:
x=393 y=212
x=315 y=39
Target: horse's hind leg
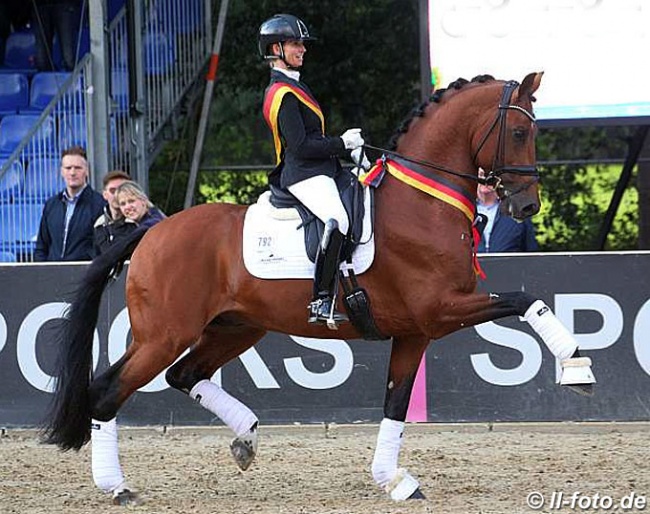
x=405 y=358
x=218 y=345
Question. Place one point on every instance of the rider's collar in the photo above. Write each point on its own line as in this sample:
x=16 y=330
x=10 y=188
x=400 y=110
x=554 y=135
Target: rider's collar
x=292 y=74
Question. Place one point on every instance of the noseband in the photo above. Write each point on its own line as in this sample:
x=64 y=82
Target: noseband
x=493 y=178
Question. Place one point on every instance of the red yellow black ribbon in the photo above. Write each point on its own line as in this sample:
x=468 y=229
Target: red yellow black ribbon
x=272 y=102
x=429 y=185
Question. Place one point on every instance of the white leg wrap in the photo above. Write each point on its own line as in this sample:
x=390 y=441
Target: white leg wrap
x=107 y=473
x=389 y=442
x=395 y=481
x=554 y=334
x=230 y=410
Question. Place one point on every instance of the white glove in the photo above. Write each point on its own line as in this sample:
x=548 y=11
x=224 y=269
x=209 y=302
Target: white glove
x=359 y=158
x=352 y=139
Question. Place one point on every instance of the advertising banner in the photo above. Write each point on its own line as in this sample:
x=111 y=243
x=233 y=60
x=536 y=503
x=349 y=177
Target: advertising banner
x=498 y=371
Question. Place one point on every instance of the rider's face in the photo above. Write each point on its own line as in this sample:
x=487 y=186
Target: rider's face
x=294 y=52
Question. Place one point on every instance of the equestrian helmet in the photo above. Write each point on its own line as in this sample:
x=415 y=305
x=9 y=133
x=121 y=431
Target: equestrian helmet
x=278 y=29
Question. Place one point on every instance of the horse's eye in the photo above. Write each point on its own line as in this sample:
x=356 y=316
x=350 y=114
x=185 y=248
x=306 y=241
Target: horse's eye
x=519 y=134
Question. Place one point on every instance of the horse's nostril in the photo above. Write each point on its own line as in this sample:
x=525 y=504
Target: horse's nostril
x=530 y=209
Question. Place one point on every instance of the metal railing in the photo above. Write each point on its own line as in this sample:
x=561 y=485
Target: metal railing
x=176 y=46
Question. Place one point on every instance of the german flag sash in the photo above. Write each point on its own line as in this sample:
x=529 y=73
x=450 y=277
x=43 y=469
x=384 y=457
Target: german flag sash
x=431 y=185
x=272 y=101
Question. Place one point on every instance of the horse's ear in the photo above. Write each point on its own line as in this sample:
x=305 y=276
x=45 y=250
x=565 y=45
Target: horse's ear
x=529 y=85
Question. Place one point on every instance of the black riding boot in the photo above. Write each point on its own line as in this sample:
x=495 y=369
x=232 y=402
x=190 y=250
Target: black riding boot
x=321 y=308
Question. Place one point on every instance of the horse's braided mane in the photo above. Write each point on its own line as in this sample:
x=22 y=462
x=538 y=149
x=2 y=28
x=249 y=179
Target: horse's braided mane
x=435 y=98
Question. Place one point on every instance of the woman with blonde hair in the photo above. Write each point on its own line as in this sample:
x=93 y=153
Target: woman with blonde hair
x=137 y=209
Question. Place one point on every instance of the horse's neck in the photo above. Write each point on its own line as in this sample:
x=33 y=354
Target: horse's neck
x=407 y=205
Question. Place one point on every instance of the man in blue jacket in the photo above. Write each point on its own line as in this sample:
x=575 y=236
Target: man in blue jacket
x=502 y=233
x=66 y=230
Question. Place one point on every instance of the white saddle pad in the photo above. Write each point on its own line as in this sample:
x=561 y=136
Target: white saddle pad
x=274 y=246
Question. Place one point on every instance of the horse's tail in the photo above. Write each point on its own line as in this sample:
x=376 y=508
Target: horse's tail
x=68 y=422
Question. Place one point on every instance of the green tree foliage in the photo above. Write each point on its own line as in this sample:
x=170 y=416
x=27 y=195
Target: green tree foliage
x=575 y=196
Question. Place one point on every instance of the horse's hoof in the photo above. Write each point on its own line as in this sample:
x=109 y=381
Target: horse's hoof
x=244 y=449
x=582 y=389
x=417 y=495
x=126 y=498
x=404 y=487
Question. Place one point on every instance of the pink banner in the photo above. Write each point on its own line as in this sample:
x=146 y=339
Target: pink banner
x=417 y=411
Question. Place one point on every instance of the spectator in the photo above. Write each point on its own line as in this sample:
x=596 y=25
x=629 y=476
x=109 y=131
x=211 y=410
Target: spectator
x=103 y=233
x=137 y=210
x=502 y=233
x=63 y=18
x=66 y=229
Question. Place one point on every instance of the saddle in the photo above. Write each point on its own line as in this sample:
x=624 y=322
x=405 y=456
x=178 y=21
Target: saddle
x=355 y=298
x=350 y=191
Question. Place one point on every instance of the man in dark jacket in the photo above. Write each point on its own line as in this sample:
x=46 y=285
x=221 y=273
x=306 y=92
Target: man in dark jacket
x=66 y=230
x=502 y=233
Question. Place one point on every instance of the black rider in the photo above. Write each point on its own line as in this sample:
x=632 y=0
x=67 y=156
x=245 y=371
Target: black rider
x=306 y=158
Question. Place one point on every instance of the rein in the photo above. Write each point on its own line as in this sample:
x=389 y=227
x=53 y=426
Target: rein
x=493 y=178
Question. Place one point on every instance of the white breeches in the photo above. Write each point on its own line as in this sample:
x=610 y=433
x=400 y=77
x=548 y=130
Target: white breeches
x=320 y=196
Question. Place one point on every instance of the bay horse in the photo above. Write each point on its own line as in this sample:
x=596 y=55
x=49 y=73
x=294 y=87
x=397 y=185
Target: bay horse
x=187 y=286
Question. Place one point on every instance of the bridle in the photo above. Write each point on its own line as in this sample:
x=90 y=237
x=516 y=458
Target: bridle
x=493 y=177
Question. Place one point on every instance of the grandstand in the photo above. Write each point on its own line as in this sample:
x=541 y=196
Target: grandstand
x=42 y=113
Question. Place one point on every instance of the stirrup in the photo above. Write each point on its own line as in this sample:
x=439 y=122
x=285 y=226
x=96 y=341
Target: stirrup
x=321 y=310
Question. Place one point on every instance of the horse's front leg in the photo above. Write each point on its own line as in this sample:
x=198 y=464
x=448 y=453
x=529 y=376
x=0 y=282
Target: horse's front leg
x=405 y=357
x=470 y=310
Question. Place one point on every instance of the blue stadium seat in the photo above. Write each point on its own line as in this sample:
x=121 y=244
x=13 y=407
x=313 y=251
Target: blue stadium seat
x=29 y=216
x=43 y=179
x=11 y=183
x=45 y=86
x=20 y=52
x=8 y=227
x=7 y=256
x=14 y=127
x=158 y=53
x=14 y=93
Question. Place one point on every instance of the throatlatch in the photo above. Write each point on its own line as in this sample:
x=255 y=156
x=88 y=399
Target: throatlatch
x=321 y=308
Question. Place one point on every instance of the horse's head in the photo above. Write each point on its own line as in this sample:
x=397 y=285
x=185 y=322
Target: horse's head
x=505 y=148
